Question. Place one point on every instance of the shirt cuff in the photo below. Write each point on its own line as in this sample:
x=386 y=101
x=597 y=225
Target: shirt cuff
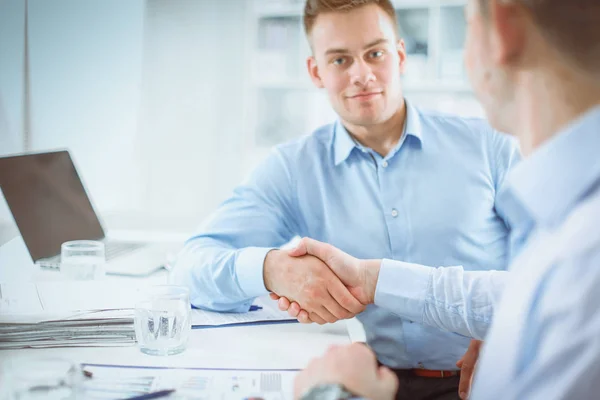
x=249 y=270
x=402 y=288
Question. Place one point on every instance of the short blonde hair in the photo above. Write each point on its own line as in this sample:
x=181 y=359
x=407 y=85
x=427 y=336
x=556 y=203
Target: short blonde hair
x=313 y=8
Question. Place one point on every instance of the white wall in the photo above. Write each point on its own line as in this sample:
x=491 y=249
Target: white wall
x=85 y=73
x=11 y=74
x=192 y=105
x=11 y=93
x=147 y=95
x=85 y=63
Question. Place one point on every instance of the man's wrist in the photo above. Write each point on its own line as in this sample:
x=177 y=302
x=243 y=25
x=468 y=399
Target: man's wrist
x=271 y=260
x=328 y=391
x=370 y=270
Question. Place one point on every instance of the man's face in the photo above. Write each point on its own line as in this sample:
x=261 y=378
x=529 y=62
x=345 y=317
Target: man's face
x=358 y=59
x=485 y=62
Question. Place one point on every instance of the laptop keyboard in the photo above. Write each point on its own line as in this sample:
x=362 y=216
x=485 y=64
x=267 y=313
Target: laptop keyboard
x=116 y=249
x=111 y=250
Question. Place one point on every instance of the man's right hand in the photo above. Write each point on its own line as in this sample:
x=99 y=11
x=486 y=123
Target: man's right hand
x=309 y=282
x=359 y=276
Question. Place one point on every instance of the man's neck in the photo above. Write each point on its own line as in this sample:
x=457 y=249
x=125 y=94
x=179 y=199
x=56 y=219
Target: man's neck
x=383 y=137
x=548 y=101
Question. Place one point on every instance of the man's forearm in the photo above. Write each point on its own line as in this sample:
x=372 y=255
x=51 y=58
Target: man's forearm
x=447 y=298
x=207 y=268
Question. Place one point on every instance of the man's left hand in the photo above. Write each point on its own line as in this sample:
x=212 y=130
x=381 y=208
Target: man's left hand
x=467 y=368
x=355 y=367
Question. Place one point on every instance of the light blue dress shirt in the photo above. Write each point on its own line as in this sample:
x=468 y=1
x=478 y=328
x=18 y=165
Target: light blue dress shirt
x=430 y=201
x=544 y=342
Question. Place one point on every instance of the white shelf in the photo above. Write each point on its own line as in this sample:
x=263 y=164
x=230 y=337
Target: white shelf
x=296 y=9
x=453 y=3
x=409 y=4
x=450 y=86
x=298 y=84
x=280 y=9
x=440 y=86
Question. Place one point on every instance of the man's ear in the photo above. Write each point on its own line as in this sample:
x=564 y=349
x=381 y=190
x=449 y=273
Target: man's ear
x=508 y=25
x=313 y=72
x=401 y=49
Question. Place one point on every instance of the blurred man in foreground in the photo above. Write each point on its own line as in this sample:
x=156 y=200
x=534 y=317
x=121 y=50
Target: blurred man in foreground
x=535 y=66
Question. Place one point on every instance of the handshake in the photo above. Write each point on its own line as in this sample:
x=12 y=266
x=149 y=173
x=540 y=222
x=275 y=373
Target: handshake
x=316 y=282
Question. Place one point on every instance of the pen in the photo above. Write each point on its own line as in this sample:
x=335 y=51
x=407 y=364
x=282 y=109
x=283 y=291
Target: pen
x=255 y=308
x=155 y=395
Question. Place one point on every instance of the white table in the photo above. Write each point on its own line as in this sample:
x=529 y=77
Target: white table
x=281 y=346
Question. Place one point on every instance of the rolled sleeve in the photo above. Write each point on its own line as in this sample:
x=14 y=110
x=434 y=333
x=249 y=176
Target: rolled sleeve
x=402 y=288
x=249 y=270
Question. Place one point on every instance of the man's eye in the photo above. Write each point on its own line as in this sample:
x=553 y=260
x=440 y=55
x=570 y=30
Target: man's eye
x=376 y=54
x=339 y=61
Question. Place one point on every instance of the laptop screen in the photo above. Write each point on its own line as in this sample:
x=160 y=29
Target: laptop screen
x=48 y=201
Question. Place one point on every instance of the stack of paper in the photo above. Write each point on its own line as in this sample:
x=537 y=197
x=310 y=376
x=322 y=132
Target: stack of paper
x=96 y=313
x=94 y=329
x=65 y=314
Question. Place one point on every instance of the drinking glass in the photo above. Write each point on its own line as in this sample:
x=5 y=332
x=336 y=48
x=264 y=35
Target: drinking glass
x=82 y=259
x=162 y=320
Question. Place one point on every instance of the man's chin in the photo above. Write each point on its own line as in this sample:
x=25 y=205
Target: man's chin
x=365 y=120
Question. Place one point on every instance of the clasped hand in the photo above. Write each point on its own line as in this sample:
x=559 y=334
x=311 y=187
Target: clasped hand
x=305 y=279
x=344 y=277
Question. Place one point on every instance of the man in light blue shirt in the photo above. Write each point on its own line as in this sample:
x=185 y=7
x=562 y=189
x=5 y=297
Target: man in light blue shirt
x=543 y=340
x=385 y=179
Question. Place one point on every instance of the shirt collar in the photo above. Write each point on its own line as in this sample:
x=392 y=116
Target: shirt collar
x=343 y=143
x=546 y=185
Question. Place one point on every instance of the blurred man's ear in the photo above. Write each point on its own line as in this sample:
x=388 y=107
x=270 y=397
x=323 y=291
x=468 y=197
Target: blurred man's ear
x=401 y=49
x=313 y=71
x=508 y=25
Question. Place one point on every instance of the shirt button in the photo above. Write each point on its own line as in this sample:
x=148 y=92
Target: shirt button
x=384 y=164
x=394 y=212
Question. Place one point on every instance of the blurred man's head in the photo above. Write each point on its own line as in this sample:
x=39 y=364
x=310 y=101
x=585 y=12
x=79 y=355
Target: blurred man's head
x=512 y=43
x=357 y=57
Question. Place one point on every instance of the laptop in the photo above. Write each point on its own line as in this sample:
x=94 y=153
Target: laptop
x=50 y=206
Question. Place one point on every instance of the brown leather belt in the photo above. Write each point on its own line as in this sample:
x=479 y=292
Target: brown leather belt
x=431 y=373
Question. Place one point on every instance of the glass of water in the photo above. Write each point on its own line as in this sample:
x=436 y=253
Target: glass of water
x=82 y=259
x=162 y=320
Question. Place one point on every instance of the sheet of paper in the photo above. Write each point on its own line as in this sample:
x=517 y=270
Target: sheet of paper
x=268 y=312
x=60 y=297
x=127 y=381
x=89 y=295
x=22 y=298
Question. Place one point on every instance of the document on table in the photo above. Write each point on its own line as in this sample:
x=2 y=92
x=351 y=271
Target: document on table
x=263 y=311
x=19 y=299
x=114 y=381
x=35 y=302
x=74 y=313
x=62 y=314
